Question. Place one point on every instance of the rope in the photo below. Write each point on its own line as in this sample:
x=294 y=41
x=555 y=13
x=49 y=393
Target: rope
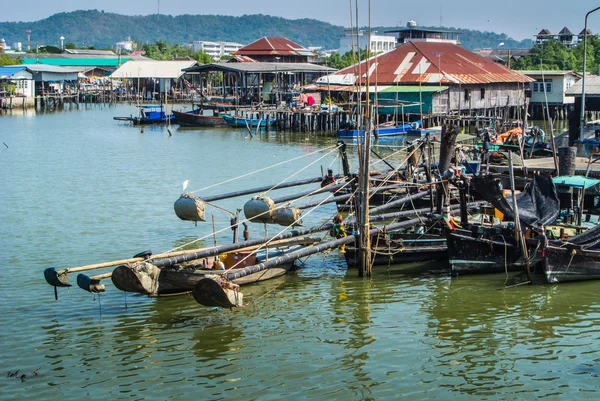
x=248 y=220
x=302 y=169
x=284 y=229
x=263 y=169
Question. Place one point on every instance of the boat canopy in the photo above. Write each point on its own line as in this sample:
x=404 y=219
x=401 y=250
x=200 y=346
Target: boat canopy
x=575 y=181
x=538 y=204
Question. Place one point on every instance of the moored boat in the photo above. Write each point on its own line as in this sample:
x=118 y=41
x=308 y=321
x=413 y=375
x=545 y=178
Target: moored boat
x=149 y=114
x=195 y=119
x=382 y=130
x=242 y=122
x=149 y=279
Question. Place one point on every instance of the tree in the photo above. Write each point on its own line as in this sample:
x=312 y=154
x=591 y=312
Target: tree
x=70 y=45
x=5 y=59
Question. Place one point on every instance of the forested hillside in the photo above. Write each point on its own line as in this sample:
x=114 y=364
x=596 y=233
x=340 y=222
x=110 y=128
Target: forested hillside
x=98 y=29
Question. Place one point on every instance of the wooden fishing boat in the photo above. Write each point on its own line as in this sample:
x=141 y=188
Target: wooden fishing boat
x=399 y=248
x=381 y=131
x=149 y=279
x=483 y=250
x=195 y=119
x=242 y=122
x=575 y=259
x=149 y=114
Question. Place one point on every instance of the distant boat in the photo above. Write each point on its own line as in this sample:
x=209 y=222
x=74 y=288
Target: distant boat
x=193 y=118
x=382 y=130
x=241 y=122
x=149 y=114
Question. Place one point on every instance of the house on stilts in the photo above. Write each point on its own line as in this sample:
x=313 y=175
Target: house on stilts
x=429 y=80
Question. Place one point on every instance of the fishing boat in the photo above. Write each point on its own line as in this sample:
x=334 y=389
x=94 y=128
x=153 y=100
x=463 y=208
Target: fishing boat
x=488 y=247
x=149 y=114
x=243 y=122
x=195 y=118
x=533 y=143
x=156 y=278
x=399 y=248
x=380 y=131
x=577 y=259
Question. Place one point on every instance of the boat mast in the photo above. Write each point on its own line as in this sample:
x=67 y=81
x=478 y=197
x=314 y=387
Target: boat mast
x=363 y=229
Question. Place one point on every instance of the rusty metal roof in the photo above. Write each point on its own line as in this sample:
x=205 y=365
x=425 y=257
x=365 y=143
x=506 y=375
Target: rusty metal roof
x=433 y=63
x=270 y=45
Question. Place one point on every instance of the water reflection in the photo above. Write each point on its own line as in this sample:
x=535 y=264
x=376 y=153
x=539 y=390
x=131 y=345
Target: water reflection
x=494 y=340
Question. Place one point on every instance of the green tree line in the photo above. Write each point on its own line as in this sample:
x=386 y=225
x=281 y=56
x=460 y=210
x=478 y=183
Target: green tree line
x=101 y=30
x=553 y=55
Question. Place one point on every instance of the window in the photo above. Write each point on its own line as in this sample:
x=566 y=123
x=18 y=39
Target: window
x=482 y=91
x=569 y=84
x=467 y=94
x=538 y=86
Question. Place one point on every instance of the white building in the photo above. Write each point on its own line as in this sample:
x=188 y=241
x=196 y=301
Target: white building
x=556 y=84
x=378 y=43
x=3 y=45
x=127 y=45
x=215 y=49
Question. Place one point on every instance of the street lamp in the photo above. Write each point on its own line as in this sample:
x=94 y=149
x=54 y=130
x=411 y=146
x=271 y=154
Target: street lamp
x=582 y=119
x=62 y=43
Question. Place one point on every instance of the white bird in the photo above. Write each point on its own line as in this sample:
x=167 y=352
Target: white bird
x=185 y=185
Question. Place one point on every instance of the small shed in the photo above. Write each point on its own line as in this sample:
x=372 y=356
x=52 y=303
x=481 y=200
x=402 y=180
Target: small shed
x=154 y=76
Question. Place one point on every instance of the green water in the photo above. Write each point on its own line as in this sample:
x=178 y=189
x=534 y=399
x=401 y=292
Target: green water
x=77 y=187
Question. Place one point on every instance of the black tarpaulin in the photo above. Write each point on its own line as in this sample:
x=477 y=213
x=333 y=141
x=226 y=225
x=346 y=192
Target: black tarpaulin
x=538 y=204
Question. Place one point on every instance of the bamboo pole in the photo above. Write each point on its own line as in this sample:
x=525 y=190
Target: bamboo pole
x=518 y=233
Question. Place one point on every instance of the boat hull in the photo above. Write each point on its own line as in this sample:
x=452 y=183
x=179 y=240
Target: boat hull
x=476 y=255
x=564 y=264
x=198 y=120
x=404 y=248
x=240 y=122
x=147 y=279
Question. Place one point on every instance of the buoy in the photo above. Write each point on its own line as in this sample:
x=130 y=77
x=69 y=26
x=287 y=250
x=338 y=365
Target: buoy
x=288 y=216
x=260 y=209
x=190 y=208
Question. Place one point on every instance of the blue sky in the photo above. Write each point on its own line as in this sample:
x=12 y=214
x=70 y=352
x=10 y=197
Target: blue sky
x=518 y=18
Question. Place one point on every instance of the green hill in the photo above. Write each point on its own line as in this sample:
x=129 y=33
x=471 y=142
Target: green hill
x=102 y=30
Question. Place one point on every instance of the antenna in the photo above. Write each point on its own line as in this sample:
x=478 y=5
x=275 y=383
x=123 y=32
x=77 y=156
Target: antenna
x=158 y=19
x=441 y=16
x=28 y=32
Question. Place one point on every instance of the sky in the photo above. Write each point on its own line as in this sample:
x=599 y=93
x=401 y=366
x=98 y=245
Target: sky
x=519 y=19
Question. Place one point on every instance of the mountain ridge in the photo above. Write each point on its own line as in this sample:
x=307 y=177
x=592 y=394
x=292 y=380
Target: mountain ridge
x=101 y=29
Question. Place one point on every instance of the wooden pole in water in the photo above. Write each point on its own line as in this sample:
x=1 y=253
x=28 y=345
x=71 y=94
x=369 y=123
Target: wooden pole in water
x=214 y=229
x=518 y=232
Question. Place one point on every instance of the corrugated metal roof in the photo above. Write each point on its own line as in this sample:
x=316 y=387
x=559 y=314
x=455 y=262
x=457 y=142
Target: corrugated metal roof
x=79 y=61
x=414 y=89
x=90 y=52
x=152 y=69
x=10 y=70
x=592 y=87
x=431 y=62
x=261 y=67
x=549 y=72
x=270 y=45
x=241 y=59
x=37 y=68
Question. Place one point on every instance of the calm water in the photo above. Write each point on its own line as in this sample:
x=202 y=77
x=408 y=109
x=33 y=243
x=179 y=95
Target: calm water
x=77 y=187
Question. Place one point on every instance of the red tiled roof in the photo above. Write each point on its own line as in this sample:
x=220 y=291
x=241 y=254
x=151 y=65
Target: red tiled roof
x=431 y=62
x=270 y=45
